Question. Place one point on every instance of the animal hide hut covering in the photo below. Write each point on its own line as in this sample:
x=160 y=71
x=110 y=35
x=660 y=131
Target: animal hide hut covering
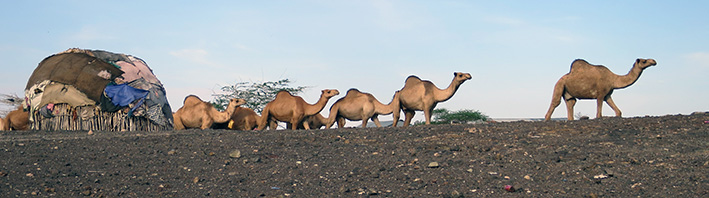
x=96 y=90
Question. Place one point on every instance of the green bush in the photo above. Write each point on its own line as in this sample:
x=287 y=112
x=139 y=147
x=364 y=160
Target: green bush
x=444 y=116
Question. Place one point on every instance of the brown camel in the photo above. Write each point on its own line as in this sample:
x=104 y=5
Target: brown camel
x=243 y=119
x=17 y=119
x=196 y=113
x=315 y=122
x=357 y=105
x=423 y=95
x=586 y=81
x=288 y=108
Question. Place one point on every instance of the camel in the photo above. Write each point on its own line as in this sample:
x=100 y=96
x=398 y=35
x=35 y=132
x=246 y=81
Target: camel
x=16 y=120
x=243 y=119
x=288 y=108
x=196 y=113
x=586 y=81
x=357 y=105
x=315 y=122
x=423 y=95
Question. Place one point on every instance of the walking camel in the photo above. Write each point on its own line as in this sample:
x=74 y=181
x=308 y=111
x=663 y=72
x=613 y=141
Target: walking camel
x=586 y=81
x=357 y=105
x=196 y=113
x=293 y=109
x=423 y=95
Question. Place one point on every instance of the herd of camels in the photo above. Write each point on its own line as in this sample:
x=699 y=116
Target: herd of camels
x=584 y=81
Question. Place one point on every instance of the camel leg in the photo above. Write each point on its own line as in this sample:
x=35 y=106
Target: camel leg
x=554 y=103
x=272 y=125
x=329 y=124
x=375 y=119
x=332 y=118
x=570 y=108
x=340 y=122
x=306 y=125
x=365 y=119
x=295 y=120
x=610 y=102
x=395 y=116
x=555 y=99
x=408 y=115
x=427 y=114
x=206 y=124
x=599 y=108
x=178 y=123
x=264 y=119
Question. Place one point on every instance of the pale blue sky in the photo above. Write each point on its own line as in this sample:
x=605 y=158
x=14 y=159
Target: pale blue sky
x=515 y=50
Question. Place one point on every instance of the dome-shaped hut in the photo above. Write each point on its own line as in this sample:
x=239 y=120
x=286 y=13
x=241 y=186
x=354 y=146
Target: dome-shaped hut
x=96 y=90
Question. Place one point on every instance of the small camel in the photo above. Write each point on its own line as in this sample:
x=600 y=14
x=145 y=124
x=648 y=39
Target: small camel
x=586 y=81
x=17 y=119
x=357 y=105
x=243 y=119
x=288 y=108
x=315 y=122
x=423 y=95
x=196 y=113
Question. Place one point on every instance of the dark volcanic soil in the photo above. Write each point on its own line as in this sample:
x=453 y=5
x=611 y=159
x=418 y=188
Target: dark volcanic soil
x=664 y=156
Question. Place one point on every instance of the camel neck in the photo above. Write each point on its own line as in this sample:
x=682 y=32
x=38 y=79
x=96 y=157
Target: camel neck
x=224 y=116
x=445 y=94
x=317 y=107
x=628 y=79
x=383 y=109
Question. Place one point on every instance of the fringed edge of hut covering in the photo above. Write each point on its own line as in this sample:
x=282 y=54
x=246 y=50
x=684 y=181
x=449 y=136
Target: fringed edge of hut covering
x=90 y=117
x=96 y=90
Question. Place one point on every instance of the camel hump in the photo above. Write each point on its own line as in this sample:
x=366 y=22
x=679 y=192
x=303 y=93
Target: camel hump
x=353 y=91
x=412 y=79
x=191 y=99
x=283 y=93
x=579 y=64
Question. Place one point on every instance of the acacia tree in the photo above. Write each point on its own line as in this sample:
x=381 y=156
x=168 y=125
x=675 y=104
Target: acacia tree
x=9 y=102
x=444 y=116
x=256 y=94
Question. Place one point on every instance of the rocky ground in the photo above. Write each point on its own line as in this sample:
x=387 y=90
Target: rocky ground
x=664 y=156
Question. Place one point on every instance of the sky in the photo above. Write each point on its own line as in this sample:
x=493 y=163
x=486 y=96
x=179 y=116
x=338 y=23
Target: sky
x=515 y=50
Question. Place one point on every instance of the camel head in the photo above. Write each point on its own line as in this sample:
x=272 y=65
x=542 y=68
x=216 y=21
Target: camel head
x=644 y=63
x=329 y=93
x=236 y=102
x=461 y=77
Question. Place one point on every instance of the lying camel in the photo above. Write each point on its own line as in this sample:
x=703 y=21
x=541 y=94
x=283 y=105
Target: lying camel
x=17 y=119
x=357 y=105
x=196 y=113
x=243 y=119
x=423 y=95
x=315 y=122
x=586 y=81
x=293 y=109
